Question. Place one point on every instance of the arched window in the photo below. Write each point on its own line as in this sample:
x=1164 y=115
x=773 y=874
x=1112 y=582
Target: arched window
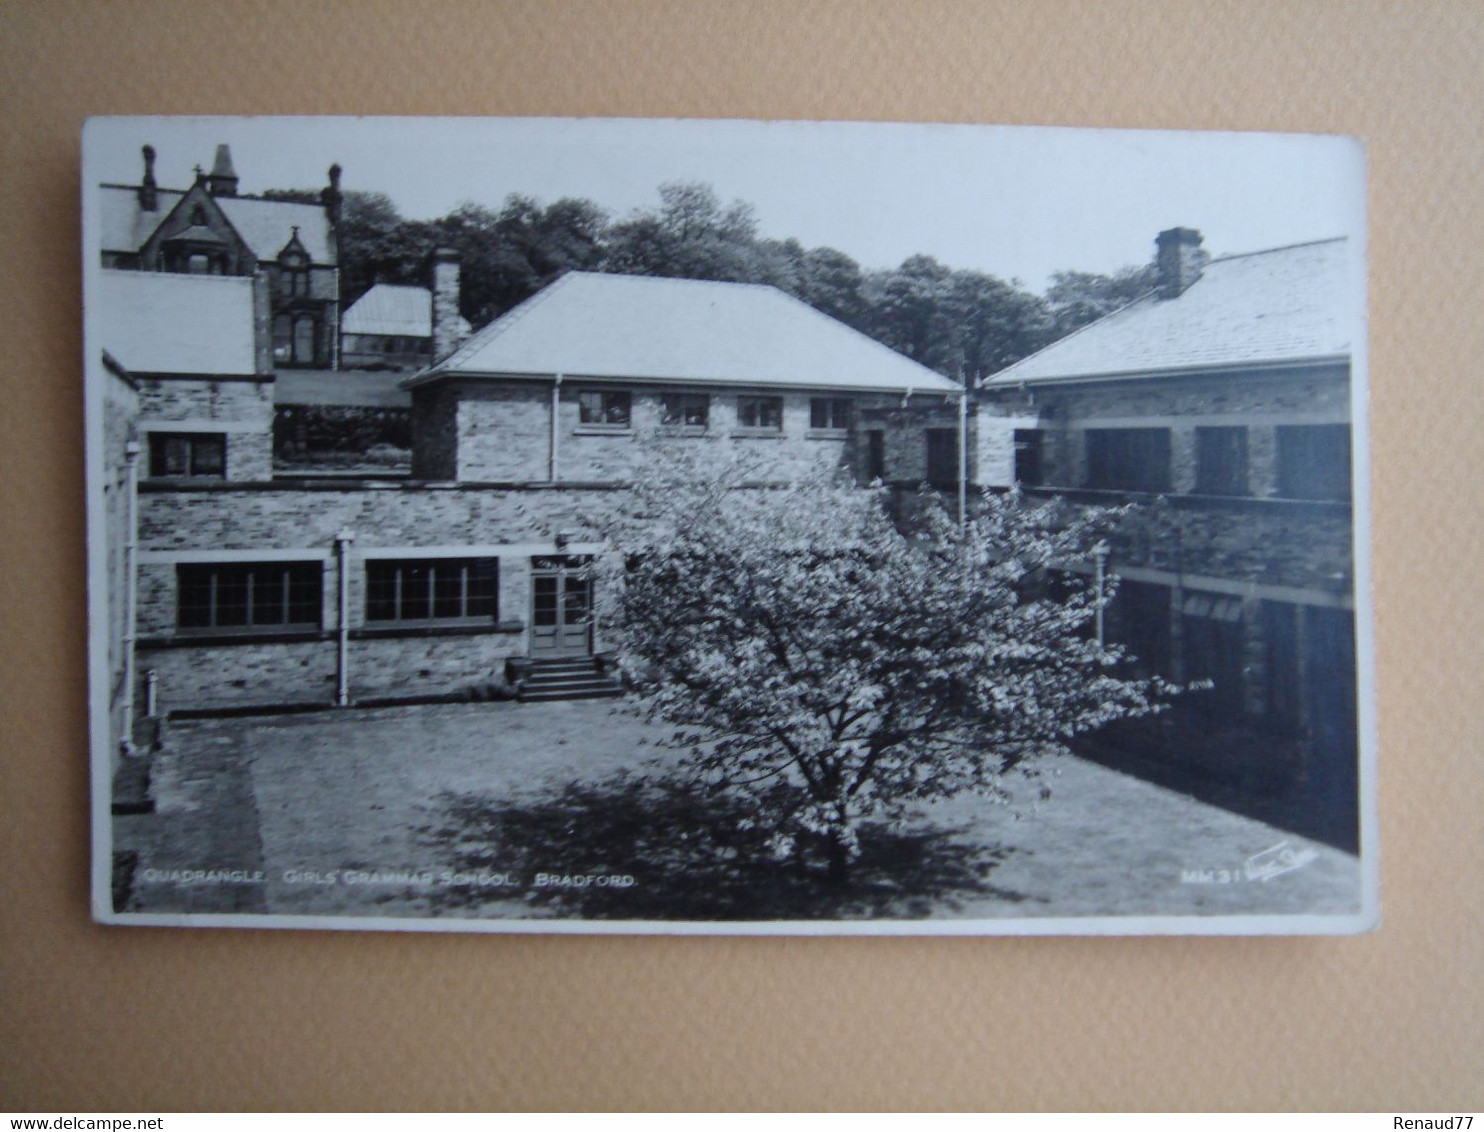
x=283 y=339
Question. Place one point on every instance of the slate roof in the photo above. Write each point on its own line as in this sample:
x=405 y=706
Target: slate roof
x=636 y=328
x=1281 y=306
x=159 y=322
x=370 y=388
x=390 y=308
x=266 y=225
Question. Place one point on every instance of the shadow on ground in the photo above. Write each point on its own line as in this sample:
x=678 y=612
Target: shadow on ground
x=697 y=854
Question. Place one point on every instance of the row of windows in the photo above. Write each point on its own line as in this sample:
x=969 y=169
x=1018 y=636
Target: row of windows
x=1312 y=461
x=247 y=596
x=614 y=409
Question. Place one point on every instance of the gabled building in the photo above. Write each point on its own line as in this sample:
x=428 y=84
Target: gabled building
x=390 y=327
x=1219 y=404
x=272 y=590
x=552 y=390
x=210 y=228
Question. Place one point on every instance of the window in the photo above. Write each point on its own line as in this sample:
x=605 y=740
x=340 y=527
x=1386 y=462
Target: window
x=244 y=597
x=188 y=454
x=1128 y=459
x=1028 y=463
x=942 y=457
x=198 y=264
x=875 y=455
x=686 y=410
x=429 y=591
x=283 y=339
x=1221 y=461
x=432 y=591
x=1314 y=461
x=760 y=413
x=829 y=412
x=601 y=409
x=1211 y=629
x=304 y=336
x=1139 y=619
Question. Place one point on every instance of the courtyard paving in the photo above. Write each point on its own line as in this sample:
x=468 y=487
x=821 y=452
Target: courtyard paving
x=332 y=810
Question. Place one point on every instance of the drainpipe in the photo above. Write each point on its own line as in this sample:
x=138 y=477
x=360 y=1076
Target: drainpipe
x=131 y=586
x=1100 y=565
x=342 y=665
x=963 y=458
x=553 y=473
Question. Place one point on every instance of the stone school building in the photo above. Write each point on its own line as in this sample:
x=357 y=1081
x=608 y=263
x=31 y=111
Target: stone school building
x=249 y=590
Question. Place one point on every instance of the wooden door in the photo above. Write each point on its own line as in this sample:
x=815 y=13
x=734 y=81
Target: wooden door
x=561 y=606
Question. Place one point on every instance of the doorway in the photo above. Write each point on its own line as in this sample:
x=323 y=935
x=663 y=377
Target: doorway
x=561 y=606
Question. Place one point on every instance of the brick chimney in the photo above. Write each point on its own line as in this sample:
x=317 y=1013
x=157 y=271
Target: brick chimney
x=447 y=331
x=1177 y=261
x=331 y=197
x=149 y=192
x=223 y=179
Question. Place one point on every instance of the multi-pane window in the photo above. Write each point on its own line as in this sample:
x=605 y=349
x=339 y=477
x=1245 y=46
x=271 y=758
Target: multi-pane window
x=600 y=407
x=201 y=454
x=686 y=410
x=1314 y=461
x=1128 y=459
x=243 y=597
x=428 y=591
x=1221 y=461
x=760 y=413
x=829 y=412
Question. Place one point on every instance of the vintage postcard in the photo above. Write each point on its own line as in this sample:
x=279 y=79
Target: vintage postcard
x=732 y=527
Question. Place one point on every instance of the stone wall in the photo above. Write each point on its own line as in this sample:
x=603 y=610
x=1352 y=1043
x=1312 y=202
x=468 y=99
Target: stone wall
x=500 y=432
x=1258 y=401
x=242 y=410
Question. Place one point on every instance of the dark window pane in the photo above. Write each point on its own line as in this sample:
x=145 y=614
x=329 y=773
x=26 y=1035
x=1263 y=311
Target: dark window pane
x=415 y=604
x=1314 y=461
x=1221 y=461
x=1128 y=459
x=448 y=589
x=942 y=457
x=230 y=607
x=208 y=456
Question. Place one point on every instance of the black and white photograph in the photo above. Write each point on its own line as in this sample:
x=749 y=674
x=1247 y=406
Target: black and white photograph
x=583 y=525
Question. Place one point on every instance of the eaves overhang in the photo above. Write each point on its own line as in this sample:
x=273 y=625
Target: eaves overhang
x=435 y=376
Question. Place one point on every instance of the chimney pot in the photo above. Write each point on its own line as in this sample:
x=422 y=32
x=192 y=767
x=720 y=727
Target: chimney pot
x=149 y=197
x=1178 y=260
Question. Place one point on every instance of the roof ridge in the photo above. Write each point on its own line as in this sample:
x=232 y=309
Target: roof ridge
x=673 y=279
x=877 y=343
x=1279 y=248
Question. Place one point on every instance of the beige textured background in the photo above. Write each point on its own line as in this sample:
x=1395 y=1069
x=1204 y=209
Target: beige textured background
x=158 y=1019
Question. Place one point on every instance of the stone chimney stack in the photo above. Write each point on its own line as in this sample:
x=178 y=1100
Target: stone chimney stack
x=1177 y=261
x=331 y=197
x=149 y=192
x=447 y=332
x=223 y=179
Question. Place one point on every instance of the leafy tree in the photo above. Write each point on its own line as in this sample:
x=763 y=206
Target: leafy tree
x=835 y=671
x=1076 y=298
x=691 y=236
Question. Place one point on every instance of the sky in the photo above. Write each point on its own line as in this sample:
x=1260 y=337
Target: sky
x=1018 y=202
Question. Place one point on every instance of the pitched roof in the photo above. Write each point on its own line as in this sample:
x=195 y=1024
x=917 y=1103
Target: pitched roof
x=266 y=225
x=390 y=308
x=639 y=327
x=158 y=322
x=1281 y=306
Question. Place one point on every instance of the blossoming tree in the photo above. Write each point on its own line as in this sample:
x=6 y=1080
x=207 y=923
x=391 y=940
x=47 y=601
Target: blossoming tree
x=835 y=670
